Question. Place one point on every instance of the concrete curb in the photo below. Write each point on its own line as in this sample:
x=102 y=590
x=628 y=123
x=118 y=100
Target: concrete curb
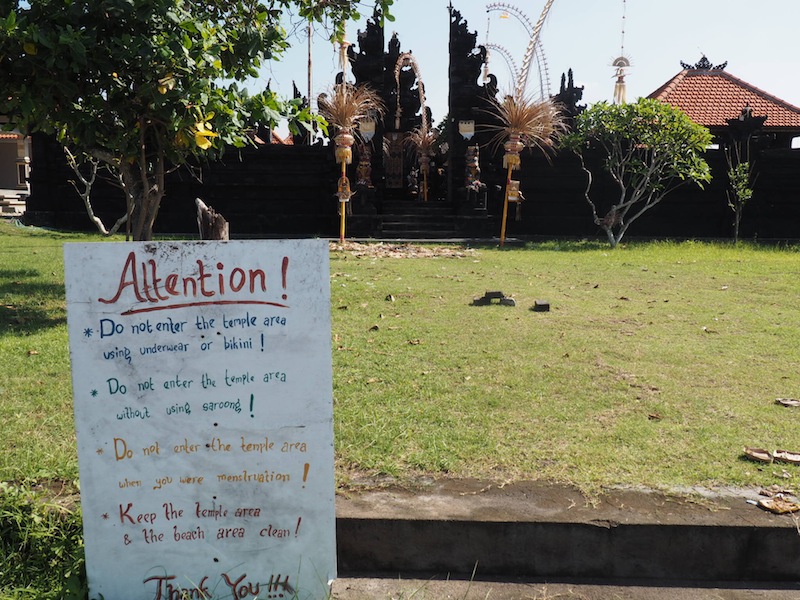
x=539 y=530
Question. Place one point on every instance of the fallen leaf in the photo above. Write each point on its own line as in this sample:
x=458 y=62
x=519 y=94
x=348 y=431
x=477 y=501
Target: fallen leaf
x=787 y=402
x=758 y=454
x=779 y=506
x=33 y=352
x=787 y=456
x=774 y=490
x=374 y=328
x=415 y=342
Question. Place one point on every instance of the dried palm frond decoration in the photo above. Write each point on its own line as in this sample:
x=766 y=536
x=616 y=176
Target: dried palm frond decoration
x=343 y=108
x=524 y=123
x=422 y=140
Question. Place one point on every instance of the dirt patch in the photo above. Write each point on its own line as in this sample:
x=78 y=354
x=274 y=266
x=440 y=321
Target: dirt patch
x=387 y=250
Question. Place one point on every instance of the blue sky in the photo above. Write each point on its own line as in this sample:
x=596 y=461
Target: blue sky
x=757 y=39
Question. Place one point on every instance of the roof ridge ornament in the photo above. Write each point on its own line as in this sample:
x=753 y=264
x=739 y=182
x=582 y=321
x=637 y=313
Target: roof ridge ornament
x=704 y=65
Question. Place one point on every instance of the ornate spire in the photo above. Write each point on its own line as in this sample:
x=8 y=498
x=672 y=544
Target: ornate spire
x=705 y=65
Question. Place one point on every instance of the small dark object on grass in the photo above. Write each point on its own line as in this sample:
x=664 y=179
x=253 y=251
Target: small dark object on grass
x=541 y=306
x=487 y=298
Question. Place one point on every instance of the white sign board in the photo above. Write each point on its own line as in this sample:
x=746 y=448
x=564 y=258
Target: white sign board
x=204 y=416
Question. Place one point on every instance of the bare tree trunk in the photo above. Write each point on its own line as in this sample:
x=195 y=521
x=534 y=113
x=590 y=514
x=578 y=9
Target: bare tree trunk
x=612 y=238
x=737 y=219
x=144 y=196
x=86 y=194
x=211 y=224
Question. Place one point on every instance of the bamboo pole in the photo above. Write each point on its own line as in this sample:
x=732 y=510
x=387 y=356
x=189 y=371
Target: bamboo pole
x=342 y=207
x=505 y=207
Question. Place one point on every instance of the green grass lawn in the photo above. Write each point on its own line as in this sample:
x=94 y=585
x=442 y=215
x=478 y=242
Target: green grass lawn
x=655 y=365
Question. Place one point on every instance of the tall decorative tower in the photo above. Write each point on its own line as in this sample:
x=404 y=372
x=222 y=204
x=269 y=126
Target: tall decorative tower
x=621 y=63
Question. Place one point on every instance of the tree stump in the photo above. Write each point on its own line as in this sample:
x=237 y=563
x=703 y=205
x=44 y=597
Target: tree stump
x=211 y=224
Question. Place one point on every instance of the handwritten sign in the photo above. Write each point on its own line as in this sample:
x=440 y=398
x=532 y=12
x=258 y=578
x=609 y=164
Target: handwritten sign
x=204 y=417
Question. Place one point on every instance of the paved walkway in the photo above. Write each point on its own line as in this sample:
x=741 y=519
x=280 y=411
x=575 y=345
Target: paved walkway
x=436 y=589
x=535 y=540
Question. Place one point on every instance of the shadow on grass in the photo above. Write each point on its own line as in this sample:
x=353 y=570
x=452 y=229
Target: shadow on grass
x=556 y=245
x=29 y=306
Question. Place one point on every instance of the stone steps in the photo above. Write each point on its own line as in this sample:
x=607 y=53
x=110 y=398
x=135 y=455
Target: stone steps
x=12 y=207
x=414 y=219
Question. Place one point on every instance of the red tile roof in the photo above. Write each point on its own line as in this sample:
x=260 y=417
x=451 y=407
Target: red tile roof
x=711 y=96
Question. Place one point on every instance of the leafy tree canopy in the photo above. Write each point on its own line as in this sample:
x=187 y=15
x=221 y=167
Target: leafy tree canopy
x=143 y=83
x=648 y=148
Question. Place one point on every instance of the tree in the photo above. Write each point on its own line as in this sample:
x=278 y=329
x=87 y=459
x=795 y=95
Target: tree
x=649 y=148
x=741 y=167
x=740 y=177
x=146 y=85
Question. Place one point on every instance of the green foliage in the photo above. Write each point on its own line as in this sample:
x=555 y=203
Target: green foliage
x=145 y=84
x=740 y=177
x=648 y=148
x=41 y=543
x=103 y=74
x=339 y=13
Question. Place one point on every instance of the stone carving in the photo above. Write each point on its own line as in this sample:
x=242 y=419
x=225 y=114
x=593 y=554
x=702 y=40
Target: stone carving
x=705 y=65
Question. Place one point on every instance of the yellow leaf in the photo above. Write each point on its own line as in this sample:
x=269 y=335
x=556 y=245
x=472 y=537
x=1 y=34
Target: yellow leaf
x=30 y=48
x=202 y=141
x=166 y=83
x=202 y=135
